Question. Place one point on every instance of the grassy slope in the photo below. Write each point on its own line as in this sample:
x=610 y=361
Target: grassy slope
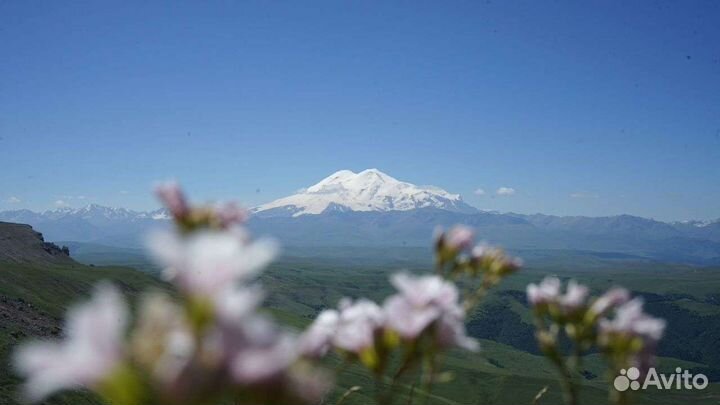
x=301 y=285
x=34 y=300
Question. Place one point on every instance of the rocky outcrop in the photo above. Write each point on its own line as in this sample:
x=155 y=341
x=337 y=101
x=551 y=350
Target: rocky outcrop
x=20 y=243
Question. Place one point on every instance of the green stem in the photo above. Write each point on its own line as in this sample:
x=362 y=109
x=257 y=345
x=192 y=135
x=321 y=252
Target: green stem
x=569 y=387
x=476 y=297
x=404 y=367
x=428 y=375
x=347 y=393
x=378 y=389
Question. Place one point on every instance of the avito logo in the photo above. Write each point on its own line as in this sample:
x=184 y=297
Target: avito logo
x=680 y=380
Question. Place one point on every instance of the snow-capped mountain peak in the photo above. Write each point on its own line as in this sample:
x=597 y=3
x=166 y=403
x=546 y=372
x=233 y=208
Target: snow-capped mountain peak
x=368 y=190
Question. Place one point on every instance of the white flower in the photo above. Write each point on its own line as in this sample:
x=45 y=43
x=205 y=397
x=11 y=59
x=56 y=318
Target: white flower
x=251 y=345
x=407 y=320
x=459 y=237
x=547 y=291
x=451 y=331
x=234 y=304
x=254 y=349
x=426 y=290
x=423 y=301
x=316 y=340
x=612 y=298
x=93 y=347
x=495 y=259
x=162 y=341
x=263 y=361
x=631 y=320
x=574 y=297
x=357 y=324
x=205 y=262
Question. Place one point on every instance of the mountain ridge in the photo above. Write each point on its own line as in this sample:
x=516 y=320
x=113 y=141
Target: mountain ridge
x=372 y=208
x=368 y=190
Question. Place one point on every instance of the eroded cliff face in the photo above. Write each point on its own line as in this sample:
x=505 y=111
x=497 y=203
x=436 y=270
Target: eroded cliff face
x=20 y=243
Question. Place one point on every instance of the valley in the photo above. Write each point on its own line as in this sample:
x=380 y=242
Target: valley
x=345 y=236
x=509 y=367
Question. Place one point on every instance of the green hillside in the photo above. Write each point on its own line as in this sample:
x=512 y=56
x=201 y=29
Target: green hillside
x=33 y=299
x=509 y=368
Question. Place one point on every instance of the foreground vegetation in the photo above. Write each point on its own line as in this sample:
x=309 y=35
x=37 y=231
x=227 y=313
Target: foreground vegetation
x=511 y=367
x=33 y=299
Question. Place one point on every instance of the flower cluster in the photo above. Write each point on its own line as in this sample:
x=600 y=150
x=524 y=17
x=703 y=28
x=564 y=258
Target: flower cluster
x=612 y=322
x=454 y=250
x=210 y=342
x=418 y=323
x=425 y=308
x=190 y=218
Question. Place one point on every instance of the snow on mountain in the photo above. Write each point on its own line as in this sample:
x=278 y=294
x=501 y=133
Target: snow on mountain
x=368 y=190
x=93 y=213
x=697 y=223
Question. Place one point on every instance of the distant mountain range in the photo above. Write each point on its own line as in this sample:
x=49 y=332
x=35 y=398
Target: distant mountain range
x=92 y=223
x=371 y=208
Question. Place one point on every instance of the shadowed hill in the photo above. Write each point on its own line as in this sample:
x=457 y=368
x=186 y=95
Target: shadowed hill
x=19 y=243
x=38 y=281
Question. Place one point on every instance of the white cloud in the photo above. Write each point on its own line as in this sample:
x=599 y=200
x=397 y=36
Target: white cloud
x=479 y=192
x=124 y=192
x=505 y=191
x=60 y=203
x=583 y=194
x=13 y=200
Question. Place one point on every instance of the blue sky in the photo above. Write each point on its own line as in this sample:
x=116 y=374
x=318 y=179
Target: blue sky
x=590 y=109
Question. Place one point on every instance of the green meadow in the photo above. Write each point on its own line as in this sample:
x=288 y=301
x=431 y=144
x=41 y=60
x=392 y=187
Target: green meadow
x=508 y=369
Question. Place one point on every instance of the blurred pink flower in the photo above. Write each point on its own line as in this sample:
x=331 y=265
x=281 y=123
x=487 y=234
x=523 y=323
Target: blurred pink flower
x=451 y=331
x=234 y=304
x=420 y=301
x=93 y=347
x=423 y=301
x=254 y=349
x=173 y=198
x=631 y=320
x=575 y=297
x=358 y=321
x=426 y=290
x=316 y=340
x=309 y=384
x=612 y=298
x=230 y=214
x=498 y=260
x=261 y=362
x=162 y=340
x=407 y=320
x=547 y=291
x=459 y=237
x=206 y=262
